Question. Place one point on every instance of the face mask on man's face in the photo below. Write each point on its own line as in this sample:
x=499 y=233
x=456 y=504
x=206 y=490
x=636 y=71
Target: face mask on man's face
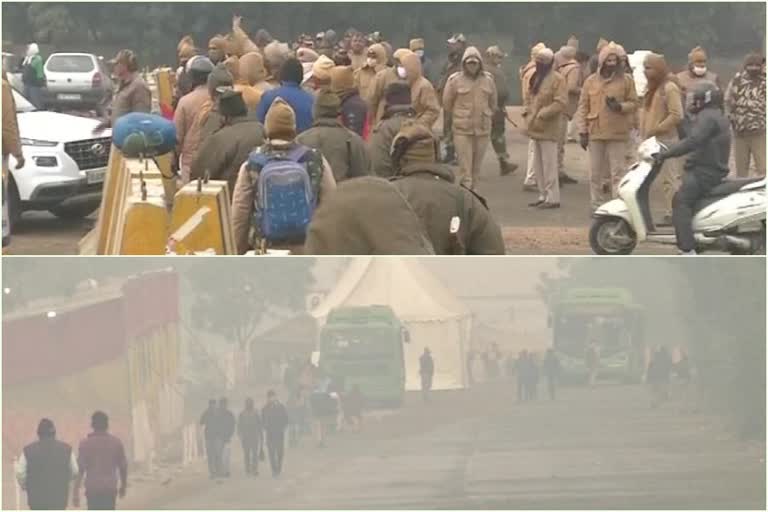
x=699 y=70
x=371 y=62
x=401 y=72
x=420 y=53
x=754 y=71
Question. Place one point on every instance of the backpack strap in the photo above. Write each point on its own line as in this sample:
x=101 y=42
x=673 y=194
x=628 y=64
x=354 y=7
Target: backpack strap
x=298 y=153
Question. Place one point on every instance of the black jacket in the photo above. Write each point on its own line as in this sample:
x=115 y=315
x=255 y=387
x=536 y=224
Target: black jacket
x=49 y=474
x=354 y=113
x=249 y=426
x=709 y=144
x=275 y=417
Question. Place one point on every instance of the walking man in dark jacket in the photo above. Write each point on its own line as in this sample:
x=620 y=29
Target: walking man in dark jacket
x=276 y=420
x=250 y=429
x=227 y=431
x=101 y=459
x=427 y=372
x=45 y=470
x=209 y=424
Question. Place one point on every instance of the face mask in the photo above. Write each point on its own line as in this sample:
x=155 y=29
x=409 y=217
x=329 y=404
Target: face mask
x=610 y=69
x=420 y=53
x=401 y=72
x=700 y=70
x=371 y=62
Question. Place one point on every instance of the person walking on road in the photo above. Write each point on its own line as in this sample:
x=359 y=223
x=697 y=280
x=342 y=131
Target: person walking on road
x=745 y=104
x=132 y=94
x=275 y=417
x=659 y=374
x=46 y=469
x=250 y=432
x=570 y=69
x=495 y=58
x=427 y=372
x=209 y=422
x=592 y=358
x=227 y=431
x=101 y=461
x=470 y=99
x=457 y=44
x=552 y=372
x=33 y=76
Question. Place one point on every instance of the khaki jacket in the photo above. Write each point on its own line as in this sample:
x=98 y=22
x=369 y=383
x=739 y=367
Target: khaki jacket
x=543 y=111
x=344 y=150
x=251 y=95
x=187 y=119
x=431 y=191
x=244 y=195
x=367 y=216
x=11 y=138
x=661 y=118
x=688 y=80
x=594 y=116
x=571 y=71
x=471 y=100
x=365 y=77
x=526 y=72
x=423 y=95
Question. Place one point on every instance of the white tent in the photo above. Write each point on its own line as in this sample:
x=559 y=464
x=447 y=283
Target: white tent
x=433 y=315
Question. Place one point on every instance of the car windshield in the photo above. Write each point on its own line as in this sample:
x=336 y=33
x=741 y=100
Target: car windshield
x=70 y=64
x=22 y=104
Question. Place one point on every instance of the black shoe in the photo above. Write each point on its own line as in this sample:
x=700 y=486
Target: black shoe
x=548 y=206
x=567 y=180
x=536 y=204
x=530 y=188
x=507 y=168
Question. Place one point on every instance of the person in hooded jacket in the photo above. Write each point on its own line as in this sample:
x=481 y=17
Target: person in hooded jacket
x=396 y=73
x=365 y=77
x=606 y=111
x=423 y=95
x=354 y=110
x=662 y=112
x=252 y=79
x=696 y=72
x=525 y=73
x=567 y=65
x=222 y=154
x=470 y=98
x=745 y=104
x=398 y=109
x=218 y=48
x=495 y=58
x=456 y=220
x=457 y=44
x=367 y=216
x=344 y=149
x=417 y=46
x=188 y=130
x=543 y=114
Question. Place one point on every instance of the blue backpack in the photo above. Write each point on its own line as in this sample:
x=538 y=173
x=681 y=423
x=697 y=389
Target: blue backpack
x=285 y=200
x=138 y=134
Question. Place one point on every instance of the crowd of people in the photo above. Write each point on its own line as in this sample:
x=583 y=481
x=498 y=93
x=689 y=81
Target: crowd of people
x=354 y=106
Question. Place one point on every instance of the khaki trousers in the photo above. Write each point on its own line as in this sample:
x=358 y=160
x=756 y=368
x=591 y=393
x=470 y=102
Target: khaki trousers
x=561 y=141
x=545 y=170
x=671 y=177
x=749 y=146
x=607 y=161
x=470 y=150
x=530 y=177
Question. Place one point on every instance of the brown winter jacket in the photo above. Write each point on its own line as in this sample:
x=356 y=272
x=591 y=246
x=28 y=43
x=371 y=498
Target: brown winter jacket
x=471 y=100
x=222 y=154
x=344 y=150
x=11 y=138
x=571 y=72
x=380 y=144
x=188 y=128
x=543 y=111
x=253 y=76
x=594 y=116
x=365 y=77
x=430 y=189
x=366 y=216
x=526 y=72
x=423 y=95
x=688 y=81
x=662 y=109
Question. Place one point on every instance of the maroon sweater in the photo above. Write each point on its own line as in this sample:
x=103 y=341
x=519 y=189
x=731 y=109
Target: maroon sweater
x=100 y=457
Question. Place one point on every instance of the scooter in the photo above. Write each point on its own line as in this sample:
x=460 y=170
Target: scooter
x=730 y=219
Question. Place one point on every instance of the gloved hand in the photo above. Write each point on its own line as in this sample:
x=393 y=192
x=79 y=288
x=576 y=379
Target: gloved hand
x=659 y=157
x=613 y=104
x=584 y=141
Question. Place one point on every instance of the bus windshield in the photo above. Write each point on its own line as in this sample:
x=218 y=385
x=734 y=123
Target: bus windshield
x=575 y=332
x=359 y=343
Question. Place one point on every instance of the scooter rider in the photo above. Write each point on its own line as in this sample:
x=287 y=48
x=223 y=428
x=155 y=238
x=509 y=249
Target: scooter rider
x=709 y=145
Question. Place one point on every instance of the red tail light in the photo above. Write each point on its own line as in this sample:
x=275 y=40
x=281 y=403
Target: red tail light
x=97 y=80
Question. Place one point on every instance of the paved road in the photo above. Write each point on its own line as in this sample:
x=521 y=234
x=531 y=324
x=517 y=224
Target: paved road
x=526 y=230
x=600 y=449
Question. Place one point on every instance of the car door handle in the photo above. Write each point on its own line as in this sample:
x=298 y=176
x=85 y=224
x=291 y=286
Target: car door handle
x=51 y=81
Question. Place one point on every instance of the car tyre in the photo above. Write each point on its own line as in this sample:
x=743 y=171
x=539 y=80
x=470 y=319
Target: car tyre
x=76 y=212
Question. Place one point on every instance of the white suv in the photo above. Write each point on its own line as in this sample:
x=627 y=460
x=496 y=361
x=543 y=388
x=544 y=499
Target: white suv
x=65 y=164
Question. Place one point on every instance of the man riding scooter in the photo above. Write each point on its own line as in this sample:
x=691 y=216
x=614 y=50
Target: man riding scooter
x=709 y=145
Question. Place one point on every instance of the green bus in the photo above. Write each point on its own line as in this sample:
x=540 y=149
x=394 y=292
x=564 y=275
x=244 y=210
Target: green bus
x=363 y=346
x=611 y=319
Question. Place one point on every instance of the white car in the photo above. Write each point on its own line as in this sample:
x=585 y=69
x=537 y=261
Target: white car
x=65 y=163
